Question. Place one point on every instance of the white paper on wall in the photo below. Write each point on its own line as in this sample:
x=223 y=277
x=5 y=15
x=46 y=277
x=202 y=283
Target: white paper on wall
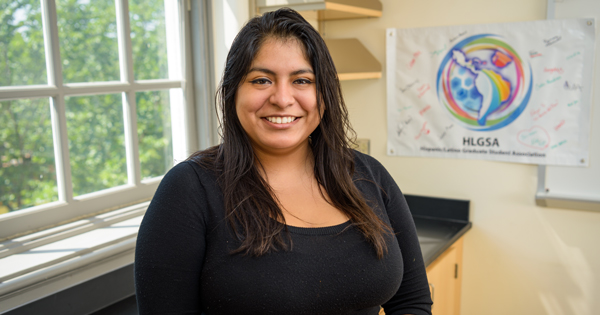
x=517 y=92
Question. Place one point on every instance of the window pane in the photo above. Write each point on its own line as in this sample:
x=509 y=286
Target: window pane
x=148 y=39
x=96 y=142
x=27 y=172
x=22 y=56
x=87 y=32
x=154 y=133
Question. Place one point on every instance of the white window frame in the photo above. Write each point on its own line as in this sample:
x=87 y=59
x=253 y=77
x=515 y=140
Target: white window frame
x=184 y=129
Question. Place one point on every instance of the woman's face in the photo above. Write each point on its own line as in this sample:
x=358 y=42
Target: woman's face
x=277 y=101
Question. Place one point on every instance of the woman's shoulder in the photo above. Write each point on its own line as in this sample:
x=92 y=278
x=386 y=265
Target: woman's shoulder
x=201 y=163
x=190 y=169
x=365 y=163
x=191 y=176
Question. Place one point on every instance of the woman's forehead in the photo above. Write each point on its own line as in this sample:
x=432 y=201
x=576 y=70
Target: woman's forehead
x=282 y=42
x=281 y=53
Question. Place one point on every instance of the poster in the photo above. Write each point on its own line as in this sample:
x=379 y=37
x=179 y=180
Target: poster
x=516 y=92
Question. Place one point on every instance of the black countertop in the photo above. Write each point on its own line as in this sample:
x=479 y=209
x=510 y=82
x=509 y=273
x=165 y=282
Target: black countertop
x=440 y=222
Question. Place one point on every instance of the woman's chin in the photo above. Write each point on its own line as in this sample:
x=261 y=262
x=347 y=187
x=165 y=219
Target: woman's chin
x=282 y=146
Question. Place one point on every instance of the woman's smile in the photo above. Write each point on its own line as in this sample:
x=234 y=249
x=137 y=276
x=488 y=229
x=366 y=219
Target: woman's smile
x=281 y=120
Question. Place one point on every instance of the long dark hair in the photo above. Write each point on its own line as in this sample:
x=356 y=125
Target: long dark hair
x=250 y=204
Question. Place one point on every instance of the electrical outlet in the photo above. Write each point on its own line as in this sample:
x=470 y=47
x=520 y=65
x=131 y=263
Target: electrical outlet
x=363 y=145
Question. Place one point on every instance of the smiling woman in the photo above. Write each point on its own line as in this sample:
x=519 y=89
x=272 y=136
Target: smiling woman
x=283 y=217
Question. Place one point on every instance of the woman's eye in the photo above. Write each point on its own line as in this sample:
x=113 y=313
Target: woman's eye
x=260 y=81
x=303 y=81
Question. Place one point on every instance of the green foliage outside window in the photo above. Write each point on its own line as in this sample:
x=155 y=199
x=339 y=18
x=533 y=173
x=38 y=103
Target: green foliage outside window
x=96 y=142
x=95 y=126
x=27 y=174
x=87 y=32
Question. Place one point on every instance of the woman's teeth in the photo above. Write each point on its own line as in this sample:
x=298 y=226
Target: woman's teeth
x=281 y=120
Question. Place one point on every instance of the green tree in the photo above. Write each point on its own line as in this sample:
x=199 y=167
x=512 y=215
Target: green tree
x=22 y=54
x=95 y=127
x=27 y=175
x=89 y=52
x=148 y=42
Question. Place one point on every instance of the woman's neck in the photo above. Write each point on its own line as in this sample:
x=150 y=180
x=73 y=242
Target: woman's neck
x=304 y=203
x=277 y=167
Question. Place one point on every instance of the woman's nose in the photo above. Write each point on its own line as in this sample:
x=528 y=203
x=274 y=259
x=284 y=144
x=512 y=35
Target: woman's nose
x=282 y=95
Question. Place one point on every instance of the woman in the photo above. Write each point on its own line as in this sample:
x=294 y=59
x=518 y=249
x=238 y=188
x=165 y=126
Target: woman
x=282 y=217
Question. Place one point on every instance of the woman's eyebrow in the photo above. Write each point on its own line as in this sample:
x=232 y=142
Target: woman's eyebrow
x=267 y=71
x=302 y=71
x=264 y=70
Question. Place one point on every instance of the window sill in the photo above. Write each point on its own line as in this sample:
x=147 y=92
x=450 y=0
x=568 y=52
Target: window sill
x=39 y=264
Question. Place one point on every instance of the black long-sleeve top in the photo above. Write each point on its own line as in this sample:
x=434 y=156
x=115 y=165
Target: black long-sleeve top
x=184 y=265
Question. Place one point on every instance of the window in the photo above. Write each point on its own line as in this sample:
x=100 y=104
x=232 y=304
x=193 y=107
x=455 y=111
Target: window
x=94 y=107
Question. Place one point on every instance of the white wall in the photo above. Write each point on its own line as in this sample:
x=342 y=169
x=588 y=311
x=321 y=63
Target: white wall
x=518 y=258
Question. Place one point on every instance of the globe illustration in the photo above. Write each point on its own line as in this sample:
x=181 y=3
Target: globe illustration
x=483 y=84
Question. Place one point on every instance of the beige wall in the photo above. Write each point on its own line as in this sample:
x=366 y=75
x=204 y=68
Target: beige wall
x=518 y=258
x=228 y=18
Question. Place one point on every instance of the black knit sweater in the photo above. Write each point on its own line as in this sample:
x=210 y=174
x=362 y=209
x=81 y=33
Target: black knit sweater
x=183 y=263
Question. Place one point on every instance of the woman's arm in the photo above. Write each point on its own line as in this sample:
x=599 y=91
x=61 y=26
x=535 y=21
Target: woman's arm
x=413 y=296
x=170 y=246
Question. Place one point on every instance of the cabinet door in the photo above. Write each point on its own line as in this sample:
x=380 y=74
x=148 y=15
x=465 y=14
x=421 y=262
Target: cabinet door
x=444 y=276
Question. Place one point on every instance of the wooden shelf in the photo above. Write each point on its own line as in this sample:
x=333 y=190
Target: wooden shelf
x=327 y=9
x=352 y=60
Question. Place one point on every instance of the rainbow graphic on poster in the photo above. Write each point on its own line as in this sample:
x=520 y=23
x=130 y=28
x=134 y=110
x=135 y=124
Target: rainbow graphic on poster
x=483 y=83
